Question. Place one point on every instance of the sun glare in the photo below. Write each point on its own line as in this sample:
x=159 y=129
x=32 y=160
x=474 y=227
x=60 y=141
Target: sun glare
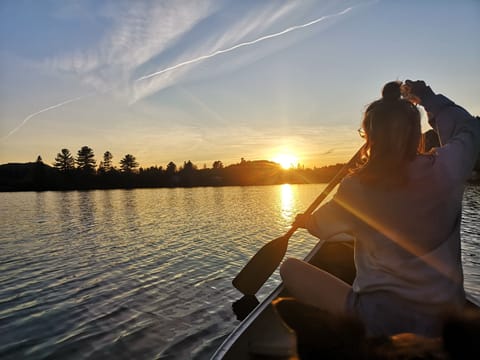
x=286 y=161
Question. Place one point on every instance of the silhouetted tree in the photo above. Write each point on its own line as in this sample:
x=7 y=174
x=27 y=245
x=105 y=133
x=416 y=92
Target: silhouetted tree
x=101 y=169
x=39 y=174
x=187 y=173
x=171 y=168
x=64 y=161
x=188 y=166
x=217 y=165
x=107 y=161
x=105 y=166
x=128 y=163
x=85 y=160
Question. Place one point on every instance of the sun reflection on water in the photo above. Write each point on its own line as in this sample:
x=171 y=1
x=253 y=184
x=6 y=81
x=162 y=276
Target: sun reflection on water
x=287 y=201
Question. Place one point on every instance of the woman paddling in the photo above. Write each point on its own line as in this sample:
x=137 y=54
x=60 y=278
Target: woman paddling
x=403 y=207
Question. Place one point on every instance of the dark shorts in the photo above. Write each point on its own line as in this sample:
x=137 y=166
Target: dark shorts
x=384 y=313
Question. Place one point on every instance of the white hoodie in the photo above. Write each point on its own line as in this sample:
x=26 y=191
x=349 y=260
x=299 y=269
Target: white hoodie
x=408 y=239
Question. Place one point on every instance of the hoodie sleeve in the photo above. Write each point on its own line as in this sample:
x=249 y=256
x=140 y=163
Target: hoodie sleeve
x=331 y=218
x=459 y=133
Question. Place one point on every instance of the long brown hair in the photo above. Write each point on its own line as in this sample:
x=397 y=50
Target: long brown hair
x=393 y=138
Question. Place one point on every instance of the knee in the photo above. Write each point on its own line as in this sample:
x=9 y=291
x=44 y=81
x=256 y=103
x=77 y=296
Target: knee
x=288 y=268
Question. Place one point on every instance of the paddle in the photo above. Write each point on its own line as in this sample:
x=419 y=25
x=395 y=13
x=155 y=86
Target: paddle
x=266 y=260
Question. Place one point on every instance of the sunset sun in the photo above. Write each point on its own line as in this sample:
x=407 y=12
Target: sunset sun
x=286 y=161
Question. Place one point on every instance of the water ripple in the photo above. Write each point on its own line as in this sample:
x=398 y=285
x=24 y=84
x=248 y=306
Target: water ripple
x=145 y=274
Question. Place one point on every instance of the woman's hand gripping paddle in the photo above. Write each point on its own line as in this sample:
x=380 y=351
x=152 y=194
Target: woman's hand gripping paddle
x=266 y=260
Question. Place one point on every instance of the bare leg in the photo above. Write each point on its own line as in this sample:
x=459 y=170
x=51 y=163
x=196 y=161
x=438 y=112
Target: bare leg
x=313 y=286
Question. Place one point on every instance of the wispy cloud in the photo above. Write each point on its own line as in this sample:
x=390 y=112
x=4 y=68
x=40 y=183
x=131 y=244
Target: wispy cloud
x=139 y=32
x=143 y=33
x=239 y=32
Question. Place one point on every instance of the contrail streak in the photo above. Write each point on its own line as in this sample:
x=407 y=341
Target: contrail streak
x=248 y=43
x=44 y=110
x=200 y=58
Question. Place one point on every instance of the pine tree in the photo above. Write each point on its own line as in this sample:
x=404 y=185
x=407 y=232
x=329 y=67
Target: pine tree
x=64 y=161
x=85 y=160
x=107 y=161
x=128 y=163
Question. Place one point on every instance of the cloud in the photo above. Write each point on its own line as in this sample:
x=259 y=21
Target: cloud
x=210 y=45
x=139 y=32
x=145 y=31
x=170 y=35
x=233 y=38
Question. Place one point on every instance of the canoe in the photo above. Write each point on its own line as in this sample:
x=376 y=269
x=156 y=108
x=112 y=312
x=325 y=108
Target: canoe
x=262 y=333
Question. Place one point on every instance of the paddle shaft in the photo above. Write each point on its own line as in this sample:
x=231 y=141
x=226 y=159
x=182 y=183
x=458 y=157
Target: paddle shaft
x=331 y=185
x=266 y=260
x=328 y=189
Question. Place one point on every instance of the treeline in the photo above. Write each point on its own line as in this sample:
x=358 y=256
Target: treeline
x=82 y=173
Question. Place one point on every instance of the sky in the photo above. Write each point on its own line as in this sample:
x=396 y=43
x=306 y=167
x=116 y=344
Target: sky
x=209 y=80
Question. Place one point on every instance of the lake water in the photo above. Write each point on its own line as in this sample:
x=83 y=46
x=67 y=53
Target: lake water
x=146 y=274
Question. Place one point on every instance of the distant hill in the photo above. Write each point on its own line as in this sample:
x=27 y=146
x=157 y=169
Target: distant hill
x=26 y=176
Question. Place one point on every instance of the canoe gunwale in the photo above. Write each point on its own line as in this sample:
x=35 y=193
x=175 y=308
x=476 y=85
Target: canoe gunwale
x=227 y=344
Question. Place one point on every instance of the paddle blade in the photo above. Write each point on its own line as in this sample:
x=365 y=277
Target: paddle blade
x=241 y=308
x=261 y=266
